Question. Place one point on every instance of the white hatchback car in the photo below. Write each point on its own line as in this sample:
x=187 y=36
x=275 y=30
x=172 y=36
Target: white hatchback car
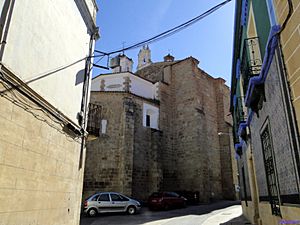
x=104 y=202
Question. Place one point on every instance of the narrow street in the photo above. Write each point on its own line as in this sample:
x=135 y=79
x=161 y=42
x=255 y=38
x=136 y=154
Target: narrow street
x=216 y=213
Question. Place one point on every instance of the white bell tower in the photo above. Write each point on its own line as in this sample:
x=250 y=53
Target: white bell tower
x=144 y=57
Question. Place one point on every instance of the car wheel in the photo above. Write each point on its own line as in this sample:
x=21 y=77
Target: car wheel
x=131 y=210
x=92 y=212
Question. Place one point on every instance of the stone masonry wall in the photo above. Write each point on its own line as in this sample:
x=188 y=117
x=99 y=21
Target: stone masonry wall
x=192 y=108
x=195 y=120
x=103 y=170
x=125 y=159
x=147 y=173
x=41 y=182
x=224 y=126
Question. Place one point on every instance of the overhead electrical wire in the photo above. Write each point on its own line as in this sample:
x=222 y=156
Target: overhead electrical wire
x=168 y=32
x=137 y=45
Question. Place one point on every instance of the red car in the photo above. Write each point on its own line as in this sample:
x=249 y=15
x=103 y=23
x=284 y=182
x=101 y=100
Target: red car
x=166 y=200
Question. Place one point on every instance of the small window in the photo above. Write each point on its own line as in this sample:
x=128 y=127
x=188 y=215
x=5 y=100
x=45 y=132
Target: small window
x=103 y=198
x=147 y=120
x=103 y=126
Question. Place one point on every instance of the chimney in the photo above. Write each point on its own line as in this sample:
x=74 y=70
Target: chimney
x=121 y=63
x=169 y=58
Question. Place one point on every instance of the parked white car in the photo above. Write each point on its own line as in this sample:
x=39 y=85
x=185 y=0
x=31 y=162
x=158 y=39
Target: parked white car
x=104 y=202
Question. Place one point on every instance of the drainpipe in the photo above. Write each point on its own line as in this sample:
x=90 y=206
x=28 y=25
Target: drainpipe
x=5 y=20
x=82 y=116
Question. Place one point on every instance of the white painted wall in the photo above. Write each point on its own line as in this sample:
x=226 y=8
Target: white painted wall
x=44 y=36
x=142 y=87
x=114 y=82
x=153 y=111
x=1 y=5
x=110 y=81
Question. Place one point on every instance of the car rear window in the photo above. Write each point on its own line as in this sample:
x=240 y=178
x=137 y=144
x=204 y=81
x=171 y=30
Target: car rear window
x=94 y=198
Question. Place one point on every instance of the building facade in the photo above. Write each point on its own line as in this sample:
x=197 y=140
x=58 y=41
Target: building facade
x=161 y=131
x=264 y=105
x=43 y=93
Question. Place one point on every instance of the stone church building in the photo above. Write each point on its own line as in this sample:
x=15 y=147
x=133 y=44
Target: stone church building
x=157 y=129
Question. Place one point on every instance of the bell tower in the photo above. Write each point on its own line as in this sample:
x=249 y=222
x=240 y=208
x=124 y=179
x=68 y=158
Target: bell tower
x=144 y=57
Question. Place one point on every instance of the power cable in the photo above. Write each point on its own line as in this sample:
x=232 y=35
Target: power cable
x=170 y=31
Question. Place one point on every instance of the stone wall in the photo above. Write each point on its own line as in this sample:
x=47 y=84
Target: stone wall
x=290 y=39
x=127 y=158
x=224 y=126
x=40 y=179
x=193 y=107
x=103 y=158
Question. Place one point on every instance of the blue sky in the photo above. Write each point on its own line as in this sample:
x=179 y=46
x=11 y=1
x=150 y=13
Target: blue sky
x=131 y=21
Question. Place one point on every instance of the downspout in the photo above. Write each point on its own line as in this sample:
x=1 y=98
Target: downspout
x=5 y=20
x=82 y=116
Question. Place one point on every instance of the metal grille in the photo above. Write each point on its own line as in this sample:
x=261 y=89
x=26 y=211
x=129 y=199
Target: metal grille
x=93 y=126
x=251 y=60
x=270 y=171
x=238 y=117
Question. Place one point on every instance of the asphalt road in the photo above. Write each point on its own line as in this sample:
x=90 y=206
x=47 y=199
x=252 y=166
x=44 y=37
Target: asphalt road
x=191 y=215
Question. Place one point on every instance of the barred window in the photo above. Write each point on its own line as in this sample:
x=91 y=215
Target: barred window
x=270 y=169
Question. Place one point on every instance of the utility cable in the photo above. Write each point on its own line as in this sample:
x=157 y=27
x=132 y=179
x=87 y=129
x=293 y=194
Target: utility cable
x=170 y=31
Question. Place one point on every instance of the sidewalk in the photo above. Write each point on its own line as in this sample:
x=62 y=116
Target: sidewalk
x=228 y=216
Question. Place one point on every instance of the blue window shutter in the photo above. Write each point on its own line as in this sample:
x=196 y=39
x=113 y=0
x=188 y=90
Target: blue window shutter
x=244 y=12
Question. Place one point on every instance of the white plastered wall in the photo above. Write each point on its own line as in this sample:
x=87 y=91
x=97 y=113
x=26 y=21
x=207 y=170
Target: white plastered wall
x=53 y=36
x=115 y=82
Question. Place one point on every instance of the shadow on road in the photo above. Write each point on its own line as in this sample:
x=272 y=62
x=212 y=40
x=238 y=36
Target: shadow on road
x=145 y=216
x=241 y=220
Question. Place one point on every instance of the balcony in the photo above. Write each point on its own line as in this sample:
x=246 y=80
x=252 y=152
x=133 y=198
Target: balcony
x=94 y=119
x=251 y=61
x=255 y=95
